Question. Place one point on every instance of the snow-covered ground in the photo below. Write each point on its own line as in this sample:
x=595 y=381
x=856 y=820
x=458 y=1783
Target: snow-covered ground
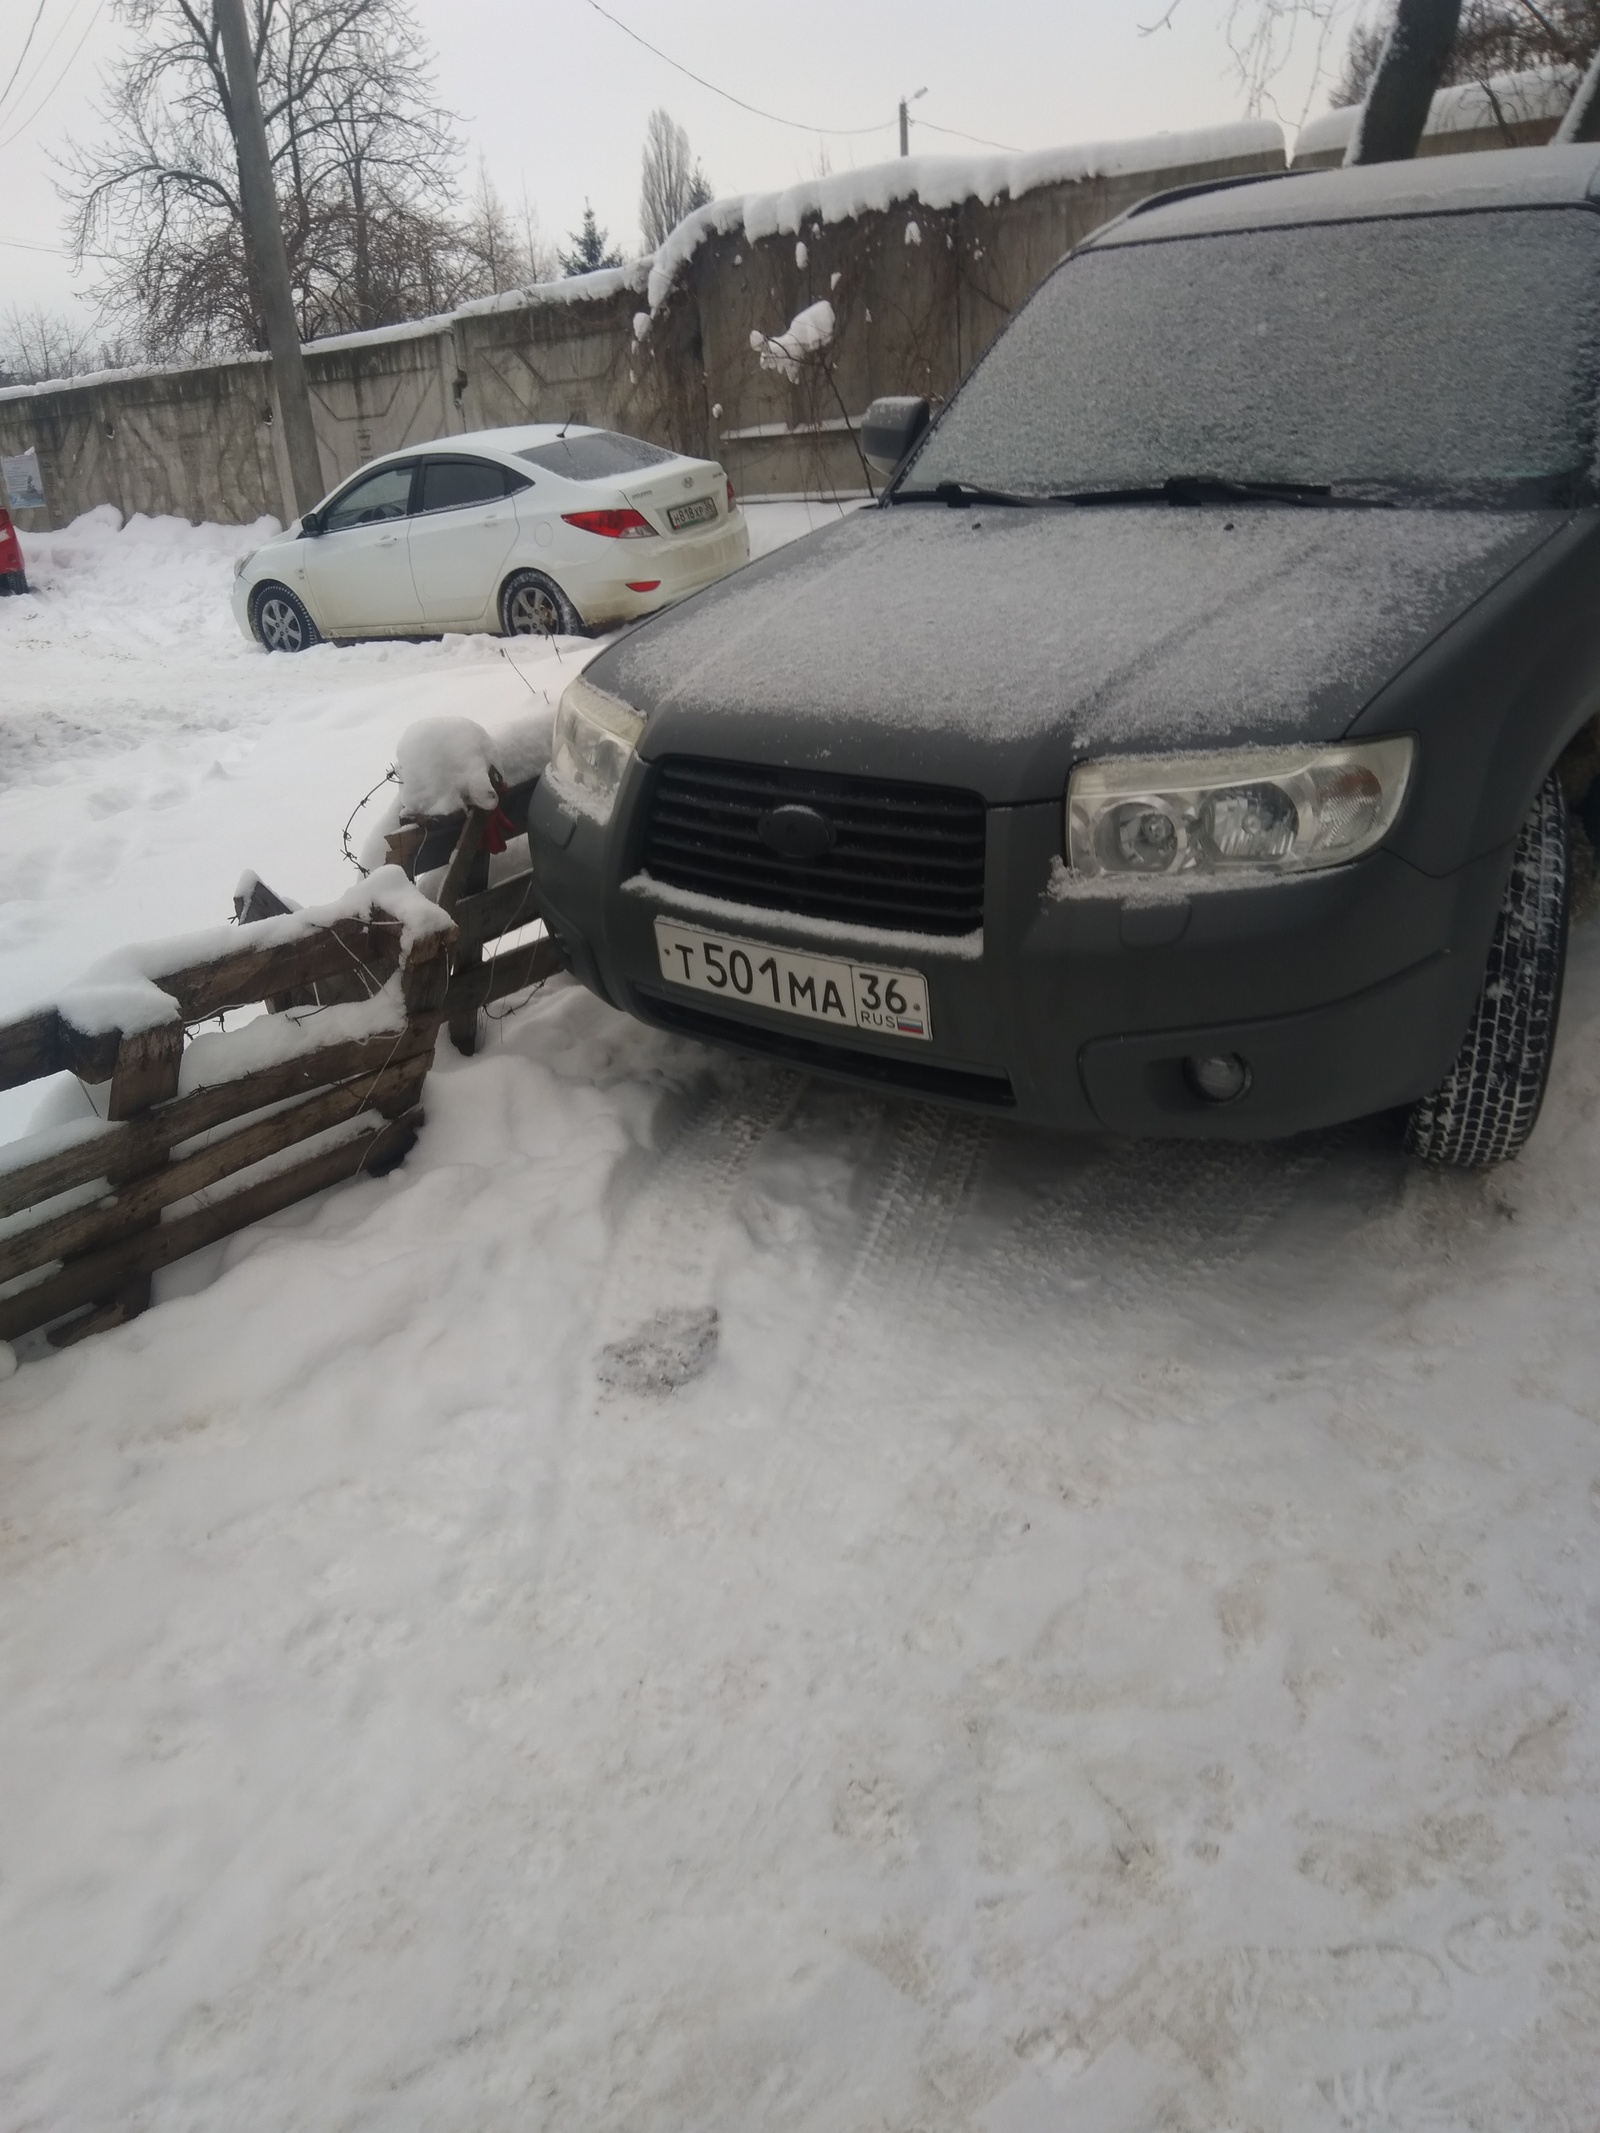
x=1100 y=1637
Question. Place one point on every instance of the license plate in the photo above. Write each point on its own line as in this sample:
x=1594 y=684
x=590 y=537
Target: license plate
x=891 y=1003
x=700 y=513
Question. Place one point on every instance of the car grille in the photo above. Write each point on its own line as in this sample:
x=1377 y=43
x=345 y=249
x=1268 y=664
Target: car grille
x=905 y=858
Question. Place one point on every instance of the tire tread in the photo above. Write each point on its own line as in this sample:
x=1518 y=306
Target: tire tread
x=1487 y=1105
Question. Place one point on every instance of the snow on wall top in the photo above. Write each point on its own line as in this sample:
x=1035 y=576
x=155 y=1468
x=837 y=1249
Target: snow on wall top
x=946 y=180
x=88 y=378
x=935 y=181
x=1469 y=107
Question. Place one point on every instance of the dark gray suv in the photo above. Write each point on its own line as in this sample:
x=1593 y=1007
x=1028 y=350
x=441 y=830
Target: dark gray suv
x=1174 y=748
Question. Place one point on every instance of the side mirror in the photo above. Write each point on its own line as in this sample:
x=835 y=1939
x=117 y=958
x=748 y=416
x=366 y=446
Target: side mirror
x=311 y=524
x=889 y=429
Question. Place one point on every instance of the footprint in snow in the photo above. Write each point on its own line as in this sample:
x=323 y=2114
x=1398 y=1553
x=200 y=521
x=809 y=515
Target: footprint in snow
x=665 y=1352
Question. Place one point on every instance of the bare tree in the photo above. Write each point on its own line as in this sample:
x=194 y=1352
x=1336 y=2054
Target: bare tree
x=362 y=159
x=671 y=186
x=501 y=251
x=37 y=345
x=1495 y=37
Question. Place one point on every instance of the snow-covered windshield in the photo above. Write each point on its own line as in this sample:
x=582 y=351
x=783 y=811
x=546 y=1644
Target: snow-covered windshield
x=1434 y=354
x=595 y=455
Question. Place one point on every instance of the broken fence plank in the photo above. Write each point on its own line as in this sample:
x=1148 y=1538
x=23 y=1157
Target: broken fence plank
x=479 y=983
x=146 y=1072
x=123 y=1151
x=247 y=974
x=101 y=1274
x=29 y=1048
x=131 y=1206
x=491 y=912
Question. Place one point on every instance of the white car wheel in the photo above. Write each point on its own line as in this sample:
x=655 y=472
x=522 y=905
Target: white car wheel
x=281 y=622
x=533 y=605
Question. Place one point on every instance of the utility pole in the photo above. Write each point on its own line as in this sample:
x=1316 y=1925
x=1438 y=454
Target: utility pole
x=263 y=230
x=905 y=121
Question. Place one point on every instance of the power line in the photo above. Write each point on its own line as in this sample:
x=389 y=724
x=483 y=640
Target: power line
x=22 y=55
x=835 y=132
x=976 y=138
x=20 y=244
x=17 y=132
x=25 y=87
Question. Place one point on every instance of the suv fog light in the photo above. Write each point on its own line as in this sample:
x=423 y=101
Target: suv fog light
x=1219 y=1079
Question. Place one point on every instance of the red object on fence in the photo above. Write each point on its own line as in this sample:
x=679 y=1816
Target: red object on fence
x=12 y=578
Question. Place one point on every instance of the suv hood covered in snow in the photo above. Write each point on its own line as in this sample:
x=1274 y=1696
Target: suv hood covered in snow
x=991 y=647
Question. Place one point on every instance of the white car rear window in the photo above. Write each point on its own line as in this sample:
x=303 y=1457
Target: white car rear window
x=599 y=455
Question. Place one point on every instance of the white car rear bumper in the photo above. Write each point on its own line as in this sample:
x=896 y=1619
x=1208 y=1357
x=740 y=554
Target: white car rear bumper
x=673 y=564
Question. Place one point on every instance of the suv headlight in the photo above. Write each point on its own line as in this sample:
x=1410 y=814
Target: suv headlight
x=594 y=737
x=1276 y=810
x=242 y=563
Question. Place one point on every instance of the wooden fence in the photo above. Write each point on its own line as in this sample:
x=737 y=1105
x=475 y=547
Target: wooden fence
x=188 y=1142
x=489 y=960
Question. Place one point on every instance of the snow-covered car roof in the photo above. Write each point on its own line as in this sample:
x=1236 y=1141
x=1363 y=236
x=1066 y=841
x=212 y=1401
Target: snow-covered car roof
x=1430 y=185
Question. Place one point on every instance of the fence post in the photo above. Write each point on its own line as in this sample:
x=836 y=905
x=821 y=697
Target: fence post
x=146 y=1074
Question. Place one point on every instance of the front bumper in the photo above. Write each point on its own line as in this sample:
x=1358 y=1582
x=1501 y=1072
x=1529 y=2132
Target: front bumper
x=239 y=600
x=1346 y=992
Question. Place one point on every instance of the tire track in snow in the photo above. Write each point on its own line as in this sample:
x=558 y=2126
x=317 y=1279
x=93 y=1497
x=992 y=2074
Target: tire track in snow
x=930 y=1175
x=1130 y=1225
x=661 y=1265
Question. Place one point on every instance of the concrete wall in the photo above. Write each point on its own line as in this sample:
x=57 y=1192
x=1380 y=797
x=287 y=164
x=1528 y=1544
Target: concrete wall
x=1507 y=111
x=918 y=290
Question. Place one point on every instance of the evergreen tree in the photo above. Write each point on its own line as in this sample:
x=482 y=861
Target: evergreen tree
x=590 y=247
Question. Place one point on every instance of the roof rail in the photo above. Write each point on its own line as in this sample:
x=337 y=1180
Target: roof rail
x=1209 y=185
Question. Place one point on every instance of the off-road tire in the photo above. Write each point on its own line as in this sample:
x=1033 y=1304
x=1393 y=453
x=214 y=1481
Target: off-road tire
x=280 y=621
x=1486 y=1106
x=532 y=605
x=13 y=581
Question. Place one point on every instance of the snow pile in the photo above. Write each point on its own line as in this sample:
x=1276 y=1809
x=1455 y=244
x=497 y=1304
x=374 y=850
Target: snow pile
x=137 y=557
x=810 y=331
x=1467 y=107
x=445 y=765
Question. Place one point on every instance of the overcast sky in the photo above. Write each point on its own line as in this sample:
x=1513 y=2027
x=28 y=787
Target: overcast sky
x=555 y=98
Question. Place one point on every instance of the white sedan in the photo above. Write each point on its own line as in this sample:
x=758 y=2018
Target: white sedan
x=534 y=531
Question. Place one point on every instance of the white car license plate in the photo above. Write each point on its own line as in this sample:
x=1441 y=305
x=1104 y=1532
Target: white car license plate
x=700 y=513
x=892 y=1003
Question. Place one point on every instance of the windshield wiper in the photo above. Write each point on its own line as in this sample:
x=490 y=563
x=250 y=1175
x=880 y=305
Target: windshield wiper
x=1212 y=489
x=1176 y=489
x=957 y=493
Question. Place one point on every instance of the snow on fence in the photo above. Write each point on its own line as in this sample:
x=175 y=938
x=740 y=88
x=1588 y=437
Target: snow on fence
x=197 y=1133
x=462 y=796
